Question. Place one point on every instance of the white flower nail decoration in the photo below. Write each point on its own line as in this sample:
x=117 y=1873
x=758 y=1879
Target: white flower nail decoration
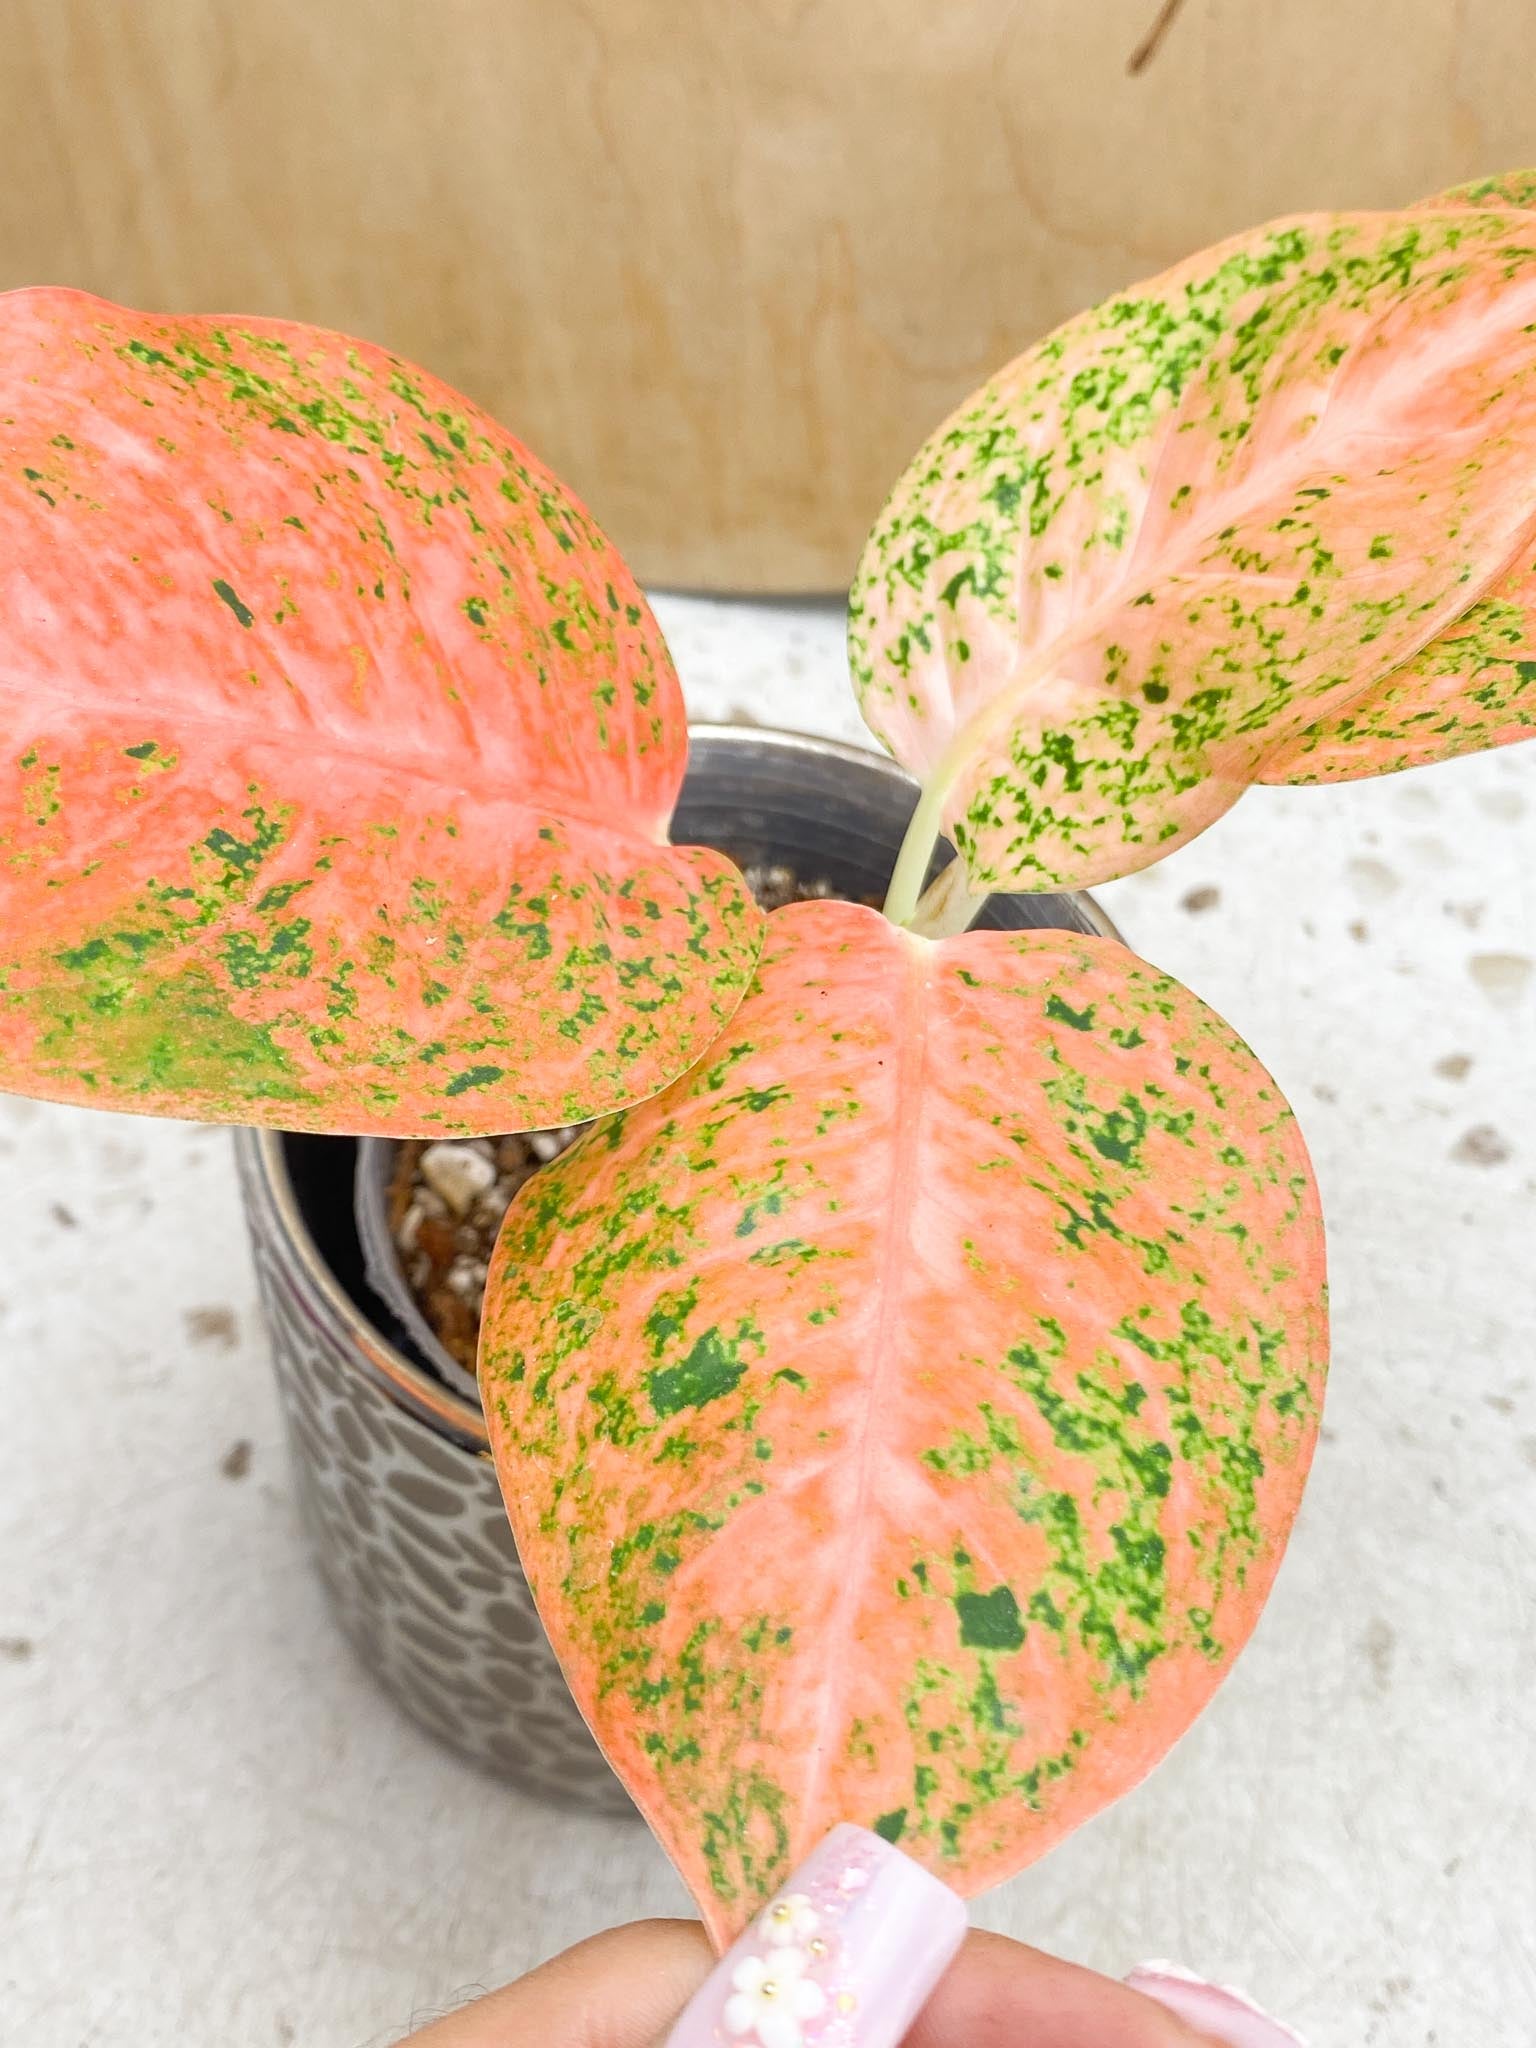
x=790 y=1919
x=772 y=1997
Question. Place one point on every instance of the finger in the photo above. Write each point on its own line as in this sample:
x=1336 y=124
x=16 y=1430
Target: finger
x=619 y=1990
x=1216 y=2012
x=624 y=1989
x=627 y=1988
x=999 y=1993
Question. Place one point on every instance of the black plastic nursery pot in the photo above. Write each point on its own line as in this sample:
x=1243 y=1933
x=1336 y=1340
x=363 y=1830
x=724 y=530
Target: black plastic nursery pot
x=391 y=1464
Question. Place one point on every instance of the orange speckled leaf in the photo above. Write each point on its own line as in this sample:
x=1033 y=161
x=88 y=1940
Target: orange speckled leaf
x=1474 y=686
x=901 y=1417
x=1177 y=546
x=337 y=748
x=1505 y=192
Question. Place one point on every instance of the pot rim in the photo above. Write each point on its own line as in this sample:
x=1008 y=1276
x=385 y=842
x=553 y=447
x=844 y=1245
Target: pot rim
x=452 y=1413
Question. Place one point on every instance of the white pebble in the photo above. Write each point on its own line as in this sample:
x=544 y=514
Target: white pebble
x=457 y=1173
x=466 y=1278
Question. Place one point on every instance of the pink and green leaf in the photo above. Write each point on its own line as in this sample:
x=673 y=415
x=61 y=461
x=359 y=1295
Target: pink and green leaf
x=337 y=748
x=901 y=1417
x=1474 y=686
x=1262 y=516
x=1505 y=192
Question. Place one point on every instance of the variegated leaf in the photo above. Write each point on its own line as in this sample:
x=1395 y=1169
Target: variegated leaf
x=1506 y=192
x=1474 y=686
x=901 y=1417
x=337 y=748
x=1178 y=545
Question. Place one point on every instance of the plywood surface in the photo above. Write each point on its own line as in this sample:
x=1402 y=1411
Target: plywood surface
x=722 y=265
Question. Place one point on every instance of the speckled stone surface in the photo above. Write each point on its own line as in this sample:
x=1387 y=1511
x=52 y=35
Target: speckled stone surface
x=212 y=1829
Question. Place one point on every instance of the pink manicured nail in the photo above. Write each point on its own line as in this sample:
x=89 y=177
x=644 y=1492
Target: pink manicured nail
x=844 y=1957
x=1222 y=2014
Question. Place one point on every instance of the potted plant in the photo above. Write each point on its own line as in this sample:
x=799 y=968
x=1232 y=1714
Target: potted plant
x=903 y=1392
x=392 y=1459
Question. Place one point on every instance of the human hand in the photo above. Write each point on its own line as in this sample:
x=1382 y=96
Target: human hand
x=625 y=1989
x=863 y=1948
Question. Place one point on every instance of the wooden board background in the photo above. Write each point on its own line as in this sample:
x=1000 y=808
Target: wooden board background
x=722 y=262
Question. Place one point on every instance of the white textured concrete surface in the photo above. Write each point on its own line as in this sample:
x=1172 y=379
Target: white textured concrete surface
x=213 y=1830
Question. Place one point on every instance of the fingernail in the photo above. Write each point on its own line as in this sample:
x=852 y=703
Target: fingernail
x=1214 y=2009
x=845 y=1956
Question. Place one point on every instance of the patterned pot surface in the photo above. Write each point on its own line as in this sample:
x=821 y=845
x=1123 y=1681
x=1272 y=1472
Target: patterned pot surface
x=407 y=1524
x=395 y=1485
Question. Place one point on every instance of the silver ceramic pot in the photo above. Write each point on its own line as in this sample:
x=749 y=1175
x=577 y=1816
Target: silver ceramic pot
x=392 y=1468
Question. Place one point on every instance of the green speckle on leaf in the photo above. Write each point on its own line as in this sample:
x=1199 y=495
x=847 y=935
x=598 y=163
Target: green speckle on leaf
x=1063 y=1013
x=990 y=1621
x=473 y=1077
x=712 y=1369
x=231 y=597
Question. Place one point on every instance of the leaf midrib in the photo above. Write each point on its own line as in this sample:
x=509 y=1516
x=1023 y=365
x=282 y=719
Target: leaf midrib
x=997 y=712
x=892 y=1264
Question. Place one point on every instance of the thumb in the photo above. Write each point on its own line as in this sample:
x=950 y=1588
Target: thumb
x=622 y=1989
x=999 y=1993
x=1220 y=2014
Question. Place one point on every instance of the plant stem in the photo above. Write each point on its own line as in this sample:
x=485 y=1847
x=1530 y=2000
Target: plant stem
x=947 y=906
x=911 y=869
